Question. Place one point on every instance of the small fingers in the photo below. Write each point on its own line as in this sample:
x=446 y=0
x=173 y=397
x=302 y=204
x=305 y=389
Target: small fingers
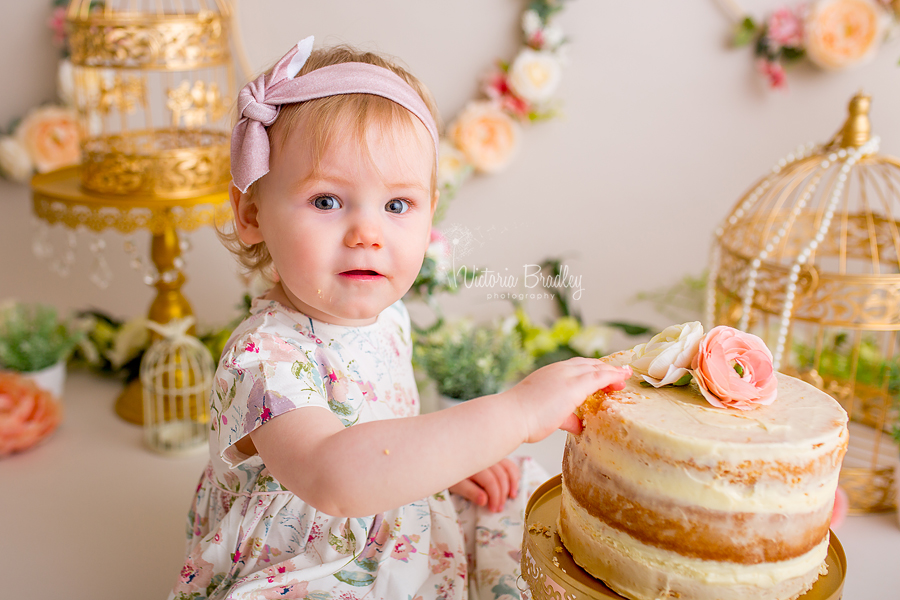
x=471 y=491
x=514 y=474
x=572 y=424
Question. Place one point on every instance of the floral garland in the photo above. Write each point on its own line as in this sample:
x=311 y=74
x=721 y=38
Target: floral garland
x=484 y=137
x=832 y=34
x=49 y=136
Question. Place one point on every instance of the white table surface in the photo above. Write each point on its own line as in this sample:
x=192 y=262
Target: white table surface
x=91 y=514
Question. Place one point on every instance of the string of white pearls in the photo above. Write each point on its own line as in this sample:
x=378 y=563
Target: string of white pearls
x=848 y=159
x=802 y=152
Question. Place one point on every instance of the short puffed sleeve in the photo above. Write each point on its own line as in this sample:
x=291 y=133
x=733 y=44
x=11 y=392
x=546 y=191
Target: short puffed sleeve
x=260 y=376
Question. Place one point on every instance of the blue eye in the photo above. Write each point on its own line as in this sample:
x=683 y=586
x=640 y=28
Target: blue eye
x=326 y=203
x=397 y=206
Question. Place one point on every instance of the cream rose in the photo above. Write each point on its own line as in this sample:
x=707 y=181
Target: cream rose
x=734 y=369
x=843 y=33
x=28 y=413
x=14 y=159
x=52 y=137
x=535 y=75
x=666 y=358
x=487 y=136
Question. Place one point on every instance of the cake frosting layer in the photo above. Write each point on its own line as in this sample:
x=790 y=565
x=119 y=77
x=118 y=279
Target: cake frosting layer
x=644 y=572
x=663 y=491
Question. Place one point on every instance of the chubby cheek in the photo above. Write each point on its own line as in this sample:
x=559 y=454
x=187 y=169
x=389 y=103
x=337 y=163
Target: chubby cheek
x=410 y=261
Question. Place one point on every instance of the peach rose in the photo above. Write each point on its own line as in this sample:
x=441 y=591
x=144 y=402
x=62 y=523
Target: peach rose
x=27 y=413
x=734 y=369
x=52 y=137
x=487 y=136
x=843 y=33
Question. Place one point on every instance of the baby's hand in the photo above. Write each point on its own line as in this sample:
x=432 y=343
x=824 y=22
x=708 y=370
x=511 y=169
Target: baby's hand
x=547 y=398
x=492 y=486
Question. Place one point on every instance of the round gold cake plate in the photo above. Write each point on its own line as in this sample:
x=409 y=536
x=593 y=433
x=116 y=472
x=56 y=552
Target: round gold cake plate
x=552 y=574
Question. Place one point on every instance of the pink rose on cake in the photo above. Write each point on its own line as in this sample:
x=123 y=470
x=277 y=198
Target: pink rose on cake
x=666 y=358
x=734 y=369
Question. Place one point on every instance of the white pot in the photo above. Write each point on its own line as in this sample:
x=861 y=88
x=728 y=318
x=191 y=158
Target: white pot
x=52 y=379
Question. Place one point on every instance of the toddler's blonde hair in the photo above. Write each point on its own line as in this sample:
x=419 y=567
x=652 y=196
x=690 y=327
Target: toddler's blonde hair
x=321 y=117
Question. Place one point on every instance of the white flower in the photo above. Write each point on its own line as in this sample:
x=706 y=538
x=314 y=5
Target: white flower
x=531 y=23
x=535 y=75
x=14 y=159
x=131 y=338
x=553 y=36
x=591 y=341
x=666 y=358
x=65 y=82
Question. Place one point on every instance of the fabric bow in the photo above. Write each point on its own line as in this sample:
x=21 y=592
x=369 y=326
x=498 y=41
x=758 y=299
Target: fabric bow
x=260 y=101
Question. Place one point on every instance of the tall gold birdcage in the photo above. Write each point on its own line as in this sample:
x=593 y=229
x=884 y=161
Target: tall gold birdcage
x=154 y=81
x=153 y=85
x=809 y=260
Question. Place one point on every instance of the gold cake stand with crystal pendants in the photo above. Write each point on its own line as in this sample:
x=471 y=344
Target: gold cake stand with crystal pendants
x=152 y=85
x=552 y=574
x=809 y=260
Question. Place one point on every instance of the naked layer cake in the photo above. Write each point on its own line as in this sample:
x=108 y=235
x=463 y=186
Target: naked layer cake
x=666 y=495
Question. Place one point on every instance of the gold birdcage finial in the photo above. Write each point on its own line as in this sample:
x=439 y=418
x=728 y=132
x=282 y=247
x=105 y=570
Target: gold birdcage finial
x=809 y=259
x=857 y=129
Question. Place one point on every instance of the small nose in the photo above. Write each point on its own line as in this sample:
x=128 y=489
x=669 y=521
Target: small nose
x=364 y=231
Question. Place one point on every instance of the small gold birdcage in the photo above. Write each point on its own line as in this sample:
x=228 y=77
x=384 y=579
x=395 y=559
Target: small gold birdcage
x=154 y=81
x=809 y=260
x=176 y=376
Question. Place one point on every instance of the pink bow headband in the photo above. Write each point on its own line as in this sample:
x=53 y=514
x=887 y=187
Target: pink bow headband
x=260 y=100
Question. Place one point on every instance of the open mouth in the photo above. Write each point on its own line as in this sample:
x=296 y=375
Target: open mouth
x=361 y=274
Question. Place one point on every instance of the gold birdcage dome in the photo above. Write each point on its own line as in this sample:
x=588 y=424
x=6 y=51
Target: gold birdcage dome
x=154 y=81
x=809 y=260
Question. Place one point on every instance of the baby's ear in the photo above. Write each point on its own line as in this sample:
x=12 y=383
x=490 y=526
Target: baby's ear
x=245 y=216
x=434 y=202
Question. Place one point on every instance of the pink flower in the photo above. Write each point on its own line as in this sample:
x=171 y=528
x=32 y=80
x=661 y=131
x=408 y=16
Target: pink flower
x=774 y=72
x=734 y=369
x=57 y=24
x=28 y=413
x=439 y=558
x=498 y=89
x=403 y=548
x=785 y=27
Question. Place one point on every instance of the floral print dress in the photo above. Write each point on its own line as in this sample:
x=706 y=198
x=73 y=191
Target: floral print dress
x=249 y=537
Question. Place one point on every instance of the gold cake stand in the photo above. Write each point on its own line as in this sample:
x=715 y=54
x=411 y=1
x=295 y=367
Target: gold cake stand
x=59 y=197
x=552 y=574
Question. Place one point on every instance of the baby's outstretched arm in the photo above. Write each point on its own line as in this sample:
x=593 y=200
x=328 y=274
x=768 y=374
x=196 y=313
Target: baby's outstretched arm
x=373 y=467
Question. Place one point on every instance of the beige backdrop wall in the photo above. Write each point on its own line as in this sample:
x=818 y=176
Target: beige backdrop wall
x=664 y=127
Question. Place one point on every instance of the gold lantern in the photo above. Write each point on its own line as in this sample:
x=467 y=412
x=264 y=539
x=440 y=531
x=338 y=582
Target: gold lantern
x=809 y=260
x=154 y=81
x=176 y=376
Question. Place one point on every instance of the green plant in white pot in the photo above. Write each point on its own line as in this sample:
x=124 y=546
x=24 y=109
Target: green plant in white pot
x=36 y=341
x=466 y=360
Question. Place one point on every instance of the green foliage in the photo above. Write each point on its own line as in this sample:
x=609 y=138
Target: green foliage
x=467 y=360
x=34 y=337
x=745 y=32
x=872 y=368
